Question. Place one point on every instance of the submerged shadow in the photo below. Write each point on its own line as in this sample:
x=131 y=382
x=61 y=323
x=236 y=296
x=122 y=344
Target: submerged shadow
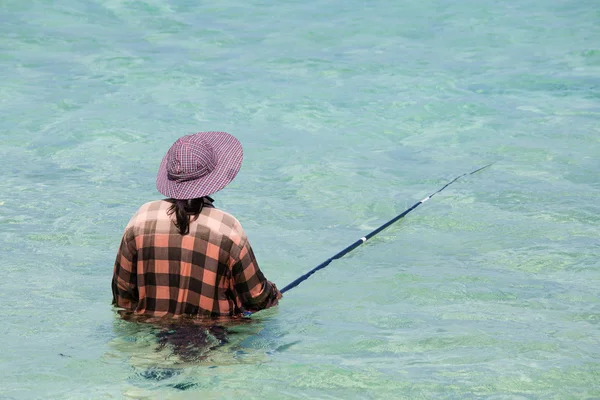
x=168 y=354
x=163 y=353
x=192 y=343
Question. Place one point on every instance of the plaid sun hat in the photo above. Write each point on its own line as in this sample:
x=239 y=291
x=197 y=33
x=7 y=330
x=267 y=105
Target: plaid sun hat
x=199 y=165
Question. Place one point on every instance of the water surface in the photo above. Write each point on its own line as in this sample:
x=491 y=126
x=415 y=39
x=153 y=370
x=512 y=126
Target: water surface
x=349 y=112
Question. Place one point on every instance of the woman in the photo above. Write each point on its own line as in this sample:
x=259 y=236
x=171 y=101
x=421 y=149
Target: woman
x=182 y=256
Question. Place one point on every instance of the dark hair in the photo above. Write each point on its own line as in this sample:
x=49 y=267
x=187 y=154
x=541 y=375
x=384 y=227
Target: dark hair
x=185 y=211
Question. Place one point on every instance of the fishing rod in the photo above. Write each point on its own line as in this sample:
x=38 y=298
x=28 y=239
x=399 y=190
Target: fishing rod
x=370 y=235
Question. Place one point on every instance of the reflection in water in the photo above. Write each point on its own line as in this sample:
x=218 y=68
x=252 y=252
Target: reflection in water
x=165 y=354
x=190 y=342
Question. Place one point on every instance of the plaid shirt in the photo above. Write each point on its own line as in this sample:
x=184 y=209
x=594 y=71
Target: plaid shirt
x=211 y=271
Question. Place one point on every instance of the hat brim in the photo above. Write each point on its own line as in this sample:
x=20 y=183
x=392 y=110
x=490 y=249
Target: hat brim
x=229 y=155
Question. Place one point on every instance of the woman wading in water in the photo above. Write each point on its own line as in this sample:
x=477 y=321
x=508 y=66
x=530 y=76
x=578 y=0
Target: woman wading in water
x=182 y=259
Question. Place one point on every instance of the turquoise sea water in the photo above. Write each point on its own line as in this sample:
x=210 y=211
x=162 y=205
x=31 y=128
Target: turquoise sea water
x=349 y=112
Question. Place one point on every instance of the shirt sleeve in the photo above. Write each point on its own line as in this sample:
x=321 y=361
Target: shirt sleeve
x=255 y=292
x=124 y=282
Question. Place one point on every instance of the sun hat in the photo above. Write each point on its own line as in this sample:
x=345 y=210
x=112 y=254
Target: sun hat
x=199 y=165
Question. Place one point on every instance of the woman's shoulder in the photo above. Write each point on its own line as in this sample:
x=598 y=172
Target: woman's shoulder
x=155 y=206
x=148 y=211
x=223 y=218
x=225 y=223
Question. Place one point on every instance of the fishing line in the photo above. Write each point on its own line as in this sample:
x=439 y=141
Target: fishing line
x=373 y=233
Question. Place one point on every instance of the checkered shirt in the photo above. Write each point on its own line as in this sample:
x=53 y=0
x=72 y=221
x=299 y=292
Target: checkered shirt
x=209 y=272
